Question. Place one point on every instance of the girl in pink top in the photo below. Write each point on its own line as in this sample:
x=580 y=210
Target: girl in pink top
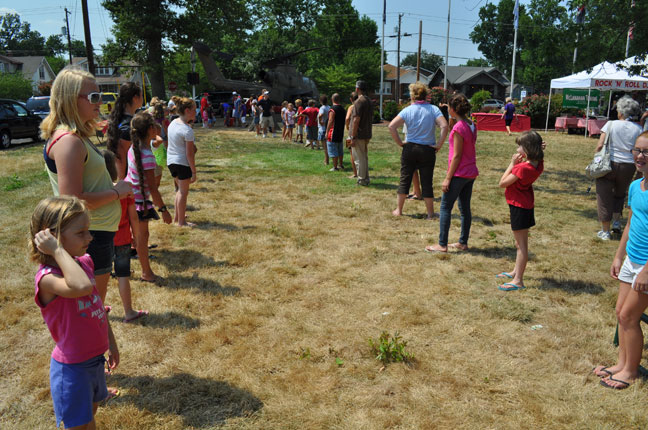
x=459 y=180
x=66 y=293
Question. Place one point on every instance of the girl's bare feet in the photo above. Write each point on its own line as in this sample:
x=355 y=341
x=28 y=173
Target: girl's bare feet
x=436 y=248
x=458 y=246
x=396 y=212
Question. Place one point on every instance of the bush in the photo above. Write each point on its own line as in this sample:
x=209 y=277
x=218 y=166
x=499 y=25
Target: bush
x=478 y=99
x=45 y=88
x=15 y=86
x=535 y=107
x=390 y=110
x=439 y=95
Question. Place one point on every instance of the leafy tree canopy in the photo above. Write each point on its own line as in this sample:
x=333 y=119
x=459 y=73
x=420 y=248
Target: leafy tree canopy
x=17 y=36
x=429 y=61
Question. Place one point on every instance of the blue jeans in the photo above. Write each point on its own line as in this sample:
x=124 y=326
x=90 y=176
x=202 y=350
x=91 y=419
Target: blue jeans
x=459 y=188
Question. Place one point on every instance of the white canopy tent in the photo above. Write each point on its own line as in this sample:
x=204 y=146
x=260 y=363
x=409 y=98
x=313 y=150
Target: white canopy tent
x=604 y=76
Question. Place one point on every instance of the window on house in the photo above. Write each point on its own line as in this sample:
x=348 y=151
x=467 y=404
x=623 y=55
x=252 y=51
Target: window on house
x=2 y=68
x=41 y=72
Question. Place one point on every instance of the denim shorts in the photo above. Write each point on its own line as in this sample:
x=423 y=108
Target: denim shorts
x=335 y=149
x=121 y=260
x=101 y=251
x=75 y=387
x=321 y=134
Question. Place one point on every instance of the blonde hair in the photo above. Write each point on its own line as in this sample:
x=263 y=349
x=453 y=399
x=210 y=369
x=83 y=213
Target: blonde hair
x=418 y=91
x=185 y=103
x=64 y=110
x=508 y=100
x=55 y=213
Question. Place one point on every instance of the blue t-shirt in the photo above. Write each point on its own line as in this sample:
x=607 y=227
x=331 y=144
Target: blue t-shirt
x=420 y=120
x=509 y=110
x=637 y=246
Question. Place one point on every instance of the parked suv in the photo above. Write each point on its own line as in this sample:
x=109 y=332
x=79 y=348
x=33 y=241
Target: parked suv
x=17 y=122
x=39 y=105
x=107 y=103
x=493 y=104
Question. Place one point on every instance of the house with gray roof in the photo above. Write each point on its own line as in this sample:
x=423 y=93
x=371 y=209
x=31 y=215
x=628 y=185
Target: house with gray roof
x=469 y=80
x=35 y=69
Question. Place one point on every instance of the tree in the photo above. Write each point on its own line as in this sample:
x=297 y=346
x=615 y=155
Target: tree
x=429 y=61
x=15 y=86
x=477 y=62
x=18 y=36
x=144 y=29
x=337 y=78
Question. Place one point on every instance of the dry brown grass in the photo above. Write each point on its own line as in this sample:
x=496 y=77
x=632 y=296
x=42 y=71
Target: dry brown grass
x=293 y=266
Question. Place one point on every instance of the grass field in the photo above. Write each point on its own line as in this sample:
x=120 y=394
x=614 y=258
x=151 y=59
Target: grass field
x=264 y=318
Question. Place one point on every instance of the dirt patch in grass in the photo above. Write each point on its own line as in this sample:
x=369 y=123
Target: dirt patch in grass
x=265 y=315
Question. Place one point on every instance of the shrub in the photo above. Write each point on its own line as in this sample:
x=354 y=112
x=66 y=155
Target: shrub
x=15 y=86
x=439 y=95
x=478 y=99
x=535 y=107
x=390 y=110
x=376 y=116
x=45 y=88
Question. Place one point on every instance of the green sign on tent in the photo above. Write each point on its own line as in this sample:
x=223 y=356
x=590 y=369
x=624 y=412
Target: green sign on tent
x=578 y=98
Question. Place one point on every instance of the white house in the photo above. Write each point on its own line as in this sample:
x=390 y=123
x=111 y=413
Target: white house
x=35 y=69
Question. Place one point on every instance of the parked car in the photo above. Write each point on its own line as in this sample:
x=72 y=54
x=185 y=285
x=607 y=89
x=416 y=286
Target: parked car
x=39 y=105
x=17 y=122
x=490 y=104
x=107 y=103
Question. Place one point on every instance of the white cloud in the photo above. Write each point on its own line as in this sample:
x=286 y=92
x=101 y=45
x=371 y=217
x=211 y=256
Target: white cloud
x=6 y=10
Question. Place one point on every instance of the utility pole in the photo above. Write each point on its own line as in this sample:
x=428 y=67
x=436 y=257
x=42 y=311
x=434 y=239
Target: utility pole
x=418 y=57
x=67 y=25
x=193 y=70
x=88 y=40
x=382 y=59
x=445 y=68
x=400 y=15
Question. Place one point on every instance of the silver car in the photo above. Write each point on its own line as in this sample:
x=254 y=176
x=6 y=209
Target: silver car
x=493 y=104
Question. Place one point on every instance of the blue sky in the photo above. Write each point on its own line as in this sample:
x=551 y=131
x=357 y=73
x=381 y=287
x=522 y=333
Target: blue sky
x=47 y=17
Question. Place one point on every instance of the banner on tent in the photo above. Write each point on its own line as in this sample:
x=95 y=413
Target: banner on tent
x=619 y=84
x=578 y=98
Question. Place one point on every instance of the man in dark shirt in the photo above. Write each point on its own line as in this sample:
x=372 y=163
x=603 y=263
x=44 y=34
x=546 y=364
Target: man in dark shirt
x=360 y=132
x=266 y=114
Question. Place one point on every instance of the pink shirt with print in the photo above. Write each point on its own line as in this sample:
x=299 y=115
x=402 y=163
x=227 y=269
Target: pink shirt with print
x=78 y=325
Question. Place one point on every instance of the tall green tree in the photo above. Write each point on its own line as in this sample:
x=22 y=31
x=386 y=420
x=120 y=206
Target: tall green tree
x=17 y=36
x=429 y=61
x=146 y=29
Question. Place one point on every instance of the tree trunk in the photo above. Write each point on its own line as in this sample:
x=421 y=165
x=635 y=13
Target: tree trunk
x=155 y=67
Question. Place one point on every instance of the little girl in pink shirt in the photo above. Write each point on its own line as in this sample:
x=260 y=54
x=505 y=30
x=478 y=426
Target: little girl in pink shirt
x=66 y=293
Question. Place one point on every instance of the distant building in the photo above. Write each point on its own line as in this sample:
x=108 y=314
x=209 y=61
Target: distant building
x=35 y=69
x=407 y=77
x=469 y=80
x=517 y=91
x=110 y=77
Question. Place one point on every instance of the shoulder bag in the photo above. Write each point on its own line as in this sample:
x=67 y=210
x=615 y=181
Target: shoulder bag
x=600 y=165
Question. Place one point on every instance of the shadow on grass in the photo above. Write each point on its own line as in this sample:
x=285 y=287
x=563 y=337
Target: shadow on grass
x=194 y=282
x=200 y=402
x=210 y=225
x=497 y=252
x=163 y=320
x=570 y=286
x=181 y=259
x=572 y=182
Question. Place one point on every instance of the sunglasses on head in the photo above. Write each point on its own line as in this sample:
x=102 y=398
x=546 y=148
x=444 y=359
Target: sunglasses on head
x=93 y=97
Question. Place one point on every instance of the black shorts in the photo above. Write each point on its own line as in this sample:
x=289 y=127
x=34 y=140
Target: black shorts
x=101 y=251
x=147 y=214
x=508 y=121
x=121 y=259
x=180 y=171
x=521 y=219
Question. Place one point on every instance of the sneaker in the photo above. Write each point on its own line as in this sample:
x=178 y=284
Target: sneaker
x=616 y=226
x=333 y=169
x=604 y=235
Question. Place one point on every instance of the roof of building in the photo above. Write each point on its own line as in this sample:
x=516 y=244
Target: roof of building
x=11 y=60
x=31 y=65
x=390 y=71
x=458 y=75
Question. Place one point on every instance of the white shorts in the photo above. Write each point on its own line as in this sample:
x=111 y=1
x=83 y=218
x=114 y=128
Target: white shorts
x=629 y=272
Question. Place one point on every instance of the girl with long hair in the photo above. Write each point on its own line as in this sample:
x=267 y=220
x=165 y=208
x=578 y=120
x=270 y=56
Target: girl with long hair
x=141 y=173
x=118 y=135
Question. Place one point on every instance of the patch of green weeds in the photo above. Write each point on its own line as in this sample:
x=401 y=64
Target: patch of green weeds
x=12 y=183
x=305 y=354
x=492 y=235
x=389 y=350
x=339 y=361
